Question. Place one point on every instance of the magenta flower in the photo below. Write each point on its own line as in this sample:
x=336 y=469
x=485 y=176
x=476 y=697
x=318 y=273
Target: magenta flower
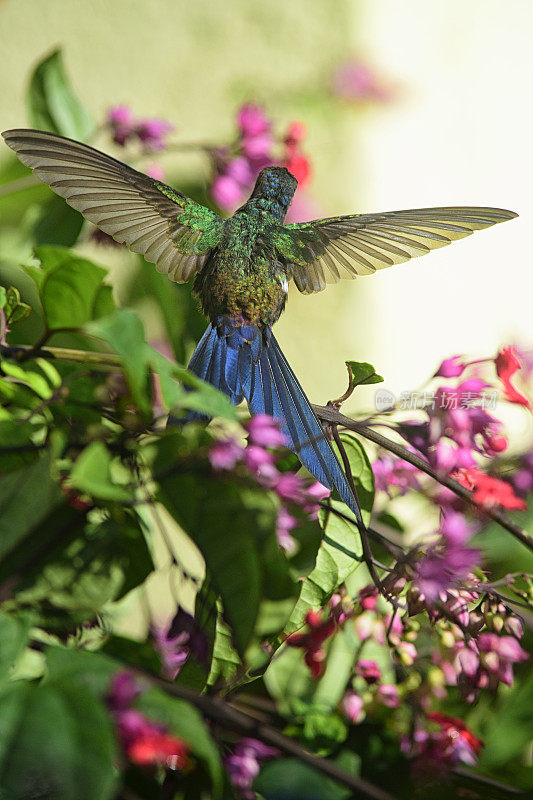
x=152 y=132
x=243 y=765
x=354 y=80
x=352 y=707
x=173 y=650
x=226 y=192
x=225 y=454
x=285 y=523
x=368 y=670
x=290 y=487
x=265 y=431
x=498 y=654
x=123 y=690
x=387 y=695
x=156 y=172
x=120 y=120
x=451 y=367
x=314 y=496
x=252 y=121
x=256 y=458
x=394 y=472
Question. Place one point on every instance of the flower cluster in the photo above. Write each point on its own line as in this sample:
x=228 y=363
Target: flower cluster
x=443 y=745
x=236 y=167
x=244 y=763
x=144 y=742
x=125 y=127
x=355 y=81
x=257 y=456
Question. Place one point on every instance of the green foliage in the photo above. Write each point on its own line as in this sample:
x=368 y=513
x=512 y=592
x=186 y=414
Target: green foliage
x=363 y=373
x=52 y=104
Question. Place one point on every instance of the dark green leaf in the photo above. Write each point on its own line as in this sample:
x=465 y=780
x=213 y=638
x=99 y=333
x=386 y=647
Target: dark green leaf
x=26 y=498
x=52 y=104
x=58 y=740
x=58 y=224
x=14 y=632
x=289 y=779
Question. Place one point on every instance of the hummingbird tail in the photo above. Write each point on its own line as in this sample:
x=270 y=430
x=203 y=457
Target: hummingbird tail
x=246 y=362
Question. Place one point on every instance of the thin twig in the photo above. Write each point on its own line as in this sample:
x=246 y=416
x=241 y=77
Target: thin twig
x=22 y=352
x=331 y=415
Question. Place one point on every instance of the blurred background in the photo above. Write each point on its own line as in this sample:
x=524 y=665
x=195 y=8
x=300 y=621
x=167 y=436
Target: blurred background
x=434 y=112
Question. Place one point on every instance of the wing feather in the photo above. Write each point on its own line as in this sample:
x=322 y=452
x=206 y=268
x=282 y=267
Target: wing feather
x=361 y=244
x=165 y=226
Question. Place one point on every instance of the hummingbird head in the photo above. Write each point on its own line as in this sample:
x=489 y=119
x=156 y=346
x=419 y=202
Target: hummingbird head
x=274 y=190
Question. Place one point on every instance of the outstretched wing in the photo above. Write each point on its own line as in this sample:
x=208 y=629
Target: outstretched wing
x=326 y=250
x=167 y=228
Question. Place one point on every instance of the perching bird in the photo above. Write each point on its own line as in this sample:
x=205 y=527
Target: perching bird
x=242 y=267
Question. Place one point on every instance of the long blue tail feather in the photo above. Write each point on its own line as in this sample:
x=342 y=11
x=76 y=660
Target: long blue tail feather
x=243 y=361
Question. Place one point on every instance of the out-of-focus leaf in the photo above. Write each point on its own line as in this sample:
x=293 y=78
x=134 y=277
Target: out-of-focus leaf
x=124 y=333
x=26 y=497
x=103 y=564
x=15 y=309
x=58 y=224
x=72 y=734
x=14 y=632
x=287 y=678
x=91 y=474
x=511 y=728
x=184 y=721
x=28 y=377
x=69 y=288
x=16 y=433
x=363 y=373
x=290 y=779
x=336 y=558
x=52 y=104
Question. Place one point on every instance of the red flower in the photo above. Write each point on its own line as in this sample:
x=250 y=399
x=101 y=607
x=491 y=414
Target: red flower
x=156 y=747
x=507 y=363
x=312 y=641
x=295 y=161
x=489 y=491
x=456 y=729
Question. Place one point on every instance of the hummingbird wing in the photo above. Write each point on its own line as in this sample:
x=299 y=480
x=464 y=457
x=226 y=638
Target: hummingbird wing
x=326 y=250
x=167 y=228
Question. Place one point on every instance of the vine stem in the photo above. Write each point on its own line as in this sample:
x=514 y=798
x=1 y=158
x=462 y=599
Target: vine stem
x=89 y=357
x=333 y=416
x=219 y=710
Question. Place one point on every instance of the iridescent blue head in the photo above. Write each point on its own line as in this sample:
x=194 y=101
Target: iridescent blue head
x=274 y=190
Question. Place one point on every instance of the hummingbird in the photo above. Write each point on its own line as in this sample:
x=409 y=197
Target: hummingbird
x=242 y=267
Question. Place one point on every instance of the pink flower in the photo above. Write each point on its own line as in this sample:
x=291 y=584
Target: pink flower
x=394 y=472
x=152 y=132
x=256 y=457
x=243 y=765
x=368 y=596
x=368 y=670
x=354 y=80
x=352 y=706
x=406 y=652
x=120 y=119
x=123 y=690
x=285 y=523
x=252 y=120
x=265 y=431
x=226 y=192
x=498 y=654
x=387 y=695
x=290 y=487
x=314 y=496
x=156 y=172
x=451 y=368
x=225 y=454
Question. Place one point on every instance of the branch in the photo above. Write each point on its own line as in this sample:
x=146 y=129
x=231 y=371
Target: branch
x=88 y=357
x=219 y=710
x=331 y=415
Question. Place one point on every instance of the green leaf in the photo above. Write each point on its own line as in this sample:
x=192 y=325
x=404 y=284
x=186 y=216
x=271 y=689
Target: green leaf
x=70 y=287
x=14 y=633
x=337 y=556
x=72 y=734
x=58 y=224
x=184 y=721
x=27 y=496
x=290 y=779
x=509 y=730
x=91 y=474
x=52 y=104
x=124 y=333
x=221 y=520
x=363 y=373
